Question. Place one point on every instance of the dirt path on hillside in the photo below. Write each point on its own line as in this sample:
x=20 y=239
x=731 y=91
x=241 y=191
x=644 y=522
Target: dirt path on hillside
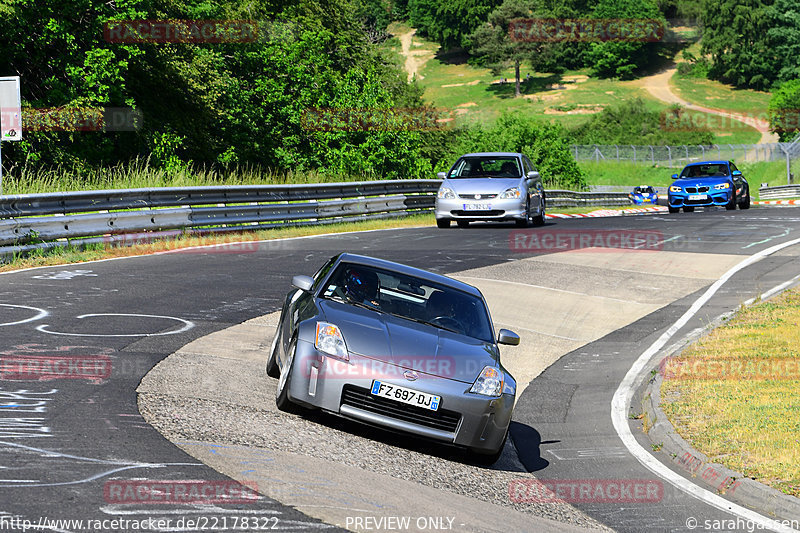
x=415 y=59
x=658 y=86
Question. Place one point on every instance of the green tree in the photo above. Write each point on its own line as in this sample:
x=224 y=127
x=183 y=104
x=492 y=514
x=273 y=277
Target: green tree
x=736 y=36
x=497 y=45
x=449 y=22
x=783 y=37
x=784 y=110
x=621 y=58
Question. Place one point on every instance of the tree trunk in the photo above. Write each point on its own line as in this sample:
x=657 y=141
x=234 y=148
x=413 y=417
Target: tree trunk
x=517 y=93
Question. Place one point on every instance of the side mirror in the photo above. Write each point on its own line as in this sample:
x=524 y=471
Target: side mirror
x=304 y=283
x=507 y=337
x=674 y=176
x=736 y=173
x=441 y=175
x=533 y=174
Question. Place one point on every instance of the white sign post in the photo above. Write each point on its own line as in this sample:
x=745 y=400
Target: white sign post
x=10 y=115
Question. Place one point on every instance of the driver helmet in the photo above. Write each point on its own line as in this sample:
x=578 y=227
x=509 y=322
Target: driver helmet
x=361 y=284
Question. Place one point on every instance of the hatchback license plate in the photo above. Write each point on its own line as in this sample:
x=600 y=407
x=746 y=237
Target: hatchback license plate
x=698 y=197
x=404 y=395
x=477 y=207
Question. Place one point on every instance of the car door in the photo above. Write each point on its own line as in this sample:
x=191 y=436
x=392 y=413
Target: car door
x=739 y=182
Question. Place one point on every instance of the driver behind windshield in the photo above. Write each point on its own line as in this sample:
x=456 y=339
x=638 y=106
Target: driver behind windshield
x=361 y=286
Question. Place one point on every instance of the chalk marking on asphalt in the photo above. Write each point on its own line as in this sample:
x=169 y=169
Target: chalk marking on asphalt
x=41 y=314
x=657 y=244
x=784 y=234
x=623 y=394
x=187 y=325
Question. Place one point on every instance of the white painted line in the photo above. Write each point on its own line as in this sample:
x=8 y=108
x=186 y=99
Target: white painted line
x=187 y=325
x=41 y=314
x=623 y=394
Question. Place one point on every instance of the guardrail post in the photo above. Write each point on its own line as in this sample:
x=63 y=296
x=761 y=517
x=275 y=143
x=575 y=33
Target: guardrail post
x=652 y=155
x=617 y=147
x=703 y=148
x=669 y=155
x=634 y=153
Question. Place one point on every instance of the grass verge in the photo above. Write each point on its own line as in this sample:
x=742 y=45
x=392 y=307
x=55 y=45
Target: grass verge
x=735 y=394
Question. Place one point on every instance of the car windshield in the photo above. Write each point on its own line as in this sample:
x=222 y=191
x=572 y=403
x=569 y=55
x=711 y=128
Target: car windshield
x=643 y=190
x=411 y=298
x=486 y=167
x=705 y=171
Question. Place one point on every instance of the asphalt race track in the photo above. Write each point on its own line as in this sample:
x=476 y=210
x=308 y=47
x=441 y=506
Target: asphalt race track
x=69 y=438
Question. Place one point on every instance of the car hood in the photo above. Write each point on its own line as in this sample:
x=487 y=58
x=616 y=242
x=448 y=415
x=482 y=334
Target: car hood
x=410 y=345
x=709 y=182
x=481 y=185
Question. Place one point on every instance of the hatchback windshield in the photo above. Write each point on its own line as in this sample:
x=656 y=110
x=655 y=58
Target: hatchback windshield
x=705 y=171
x=486 y=167
x=410 y=298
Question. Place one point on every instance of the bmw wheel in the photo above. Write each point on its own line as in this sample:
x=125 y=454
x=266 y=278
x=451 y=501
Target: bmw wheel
x=731 y=205
x=745 y=203
x=673 y=209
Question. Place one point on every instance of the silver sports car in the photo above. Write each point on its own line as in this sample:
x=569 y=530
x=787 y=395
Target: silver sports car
x=398 y=347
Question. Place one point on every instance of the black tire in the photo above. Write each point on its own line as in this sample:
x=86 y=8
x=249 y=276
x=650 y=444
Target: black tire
x=282 y=400
x=673 y=209
x=272 y=364
x=442 y=223
x=745 y=204
x=538 y=220
x=462 y=223
x=730 y=206
x=488 y=459
x=688 y=209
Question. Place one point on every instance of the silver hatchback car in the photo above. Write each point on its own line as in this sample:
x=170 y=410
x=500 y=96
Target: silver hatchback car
x=397 y=347
x=499 y=186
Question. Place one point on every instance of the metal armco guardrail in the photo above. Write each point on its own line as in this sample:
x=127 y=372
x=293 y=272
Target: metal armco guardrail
x=35 y=221
x=781 y=191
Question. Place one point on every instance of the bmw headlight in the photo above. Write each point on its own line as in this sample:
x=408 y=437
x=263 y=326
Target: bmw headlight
x=513 y=192
x=329 y=340
x=721 y=186
x=489 y=382
x=445 y=193
x=674 y=188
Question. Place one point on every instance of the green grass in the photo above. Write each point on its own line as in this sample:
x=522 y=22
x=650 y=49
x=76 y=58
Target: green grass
x=716 y=95
x=140 y=174
x=735 y=394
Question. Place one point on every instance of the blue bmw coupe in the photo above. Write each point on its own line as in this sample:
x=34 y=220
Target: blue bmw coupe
x=708 y=183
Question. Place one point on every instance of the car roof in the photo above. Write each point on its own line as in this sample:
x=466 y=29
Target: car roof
x=492 y=154
x=714 y=162
x=411 y=271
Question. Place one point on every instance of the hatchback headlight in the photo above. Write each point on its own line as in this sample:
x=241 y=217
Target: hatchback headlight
x=489 y=382
x=513 y=192
x=674 y=188
x=721 y=186
x=445 y=193
x=329 y=340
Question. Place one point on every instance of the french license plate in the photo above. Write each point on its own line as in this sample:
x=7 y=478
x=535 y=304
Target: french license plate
x=404 y=395
x=698 y=197
x=477 y=207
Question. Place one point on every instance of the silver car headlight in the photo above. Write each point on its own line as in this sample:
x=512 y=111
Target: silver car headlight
x=513 y=192
x=445 y=194
x=329 y=340
x=489 y=382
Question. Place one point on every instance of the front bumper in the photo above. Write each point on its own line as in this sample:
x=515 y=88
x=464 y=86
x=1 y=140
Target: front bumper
x=499 y=209
x=720 y=198
x=463 y=419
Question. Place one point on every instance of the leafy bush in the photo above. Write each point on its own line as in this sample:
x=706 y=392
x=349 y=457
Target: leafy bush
x=632 y=123
x=784 y=110
x=542 y=142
